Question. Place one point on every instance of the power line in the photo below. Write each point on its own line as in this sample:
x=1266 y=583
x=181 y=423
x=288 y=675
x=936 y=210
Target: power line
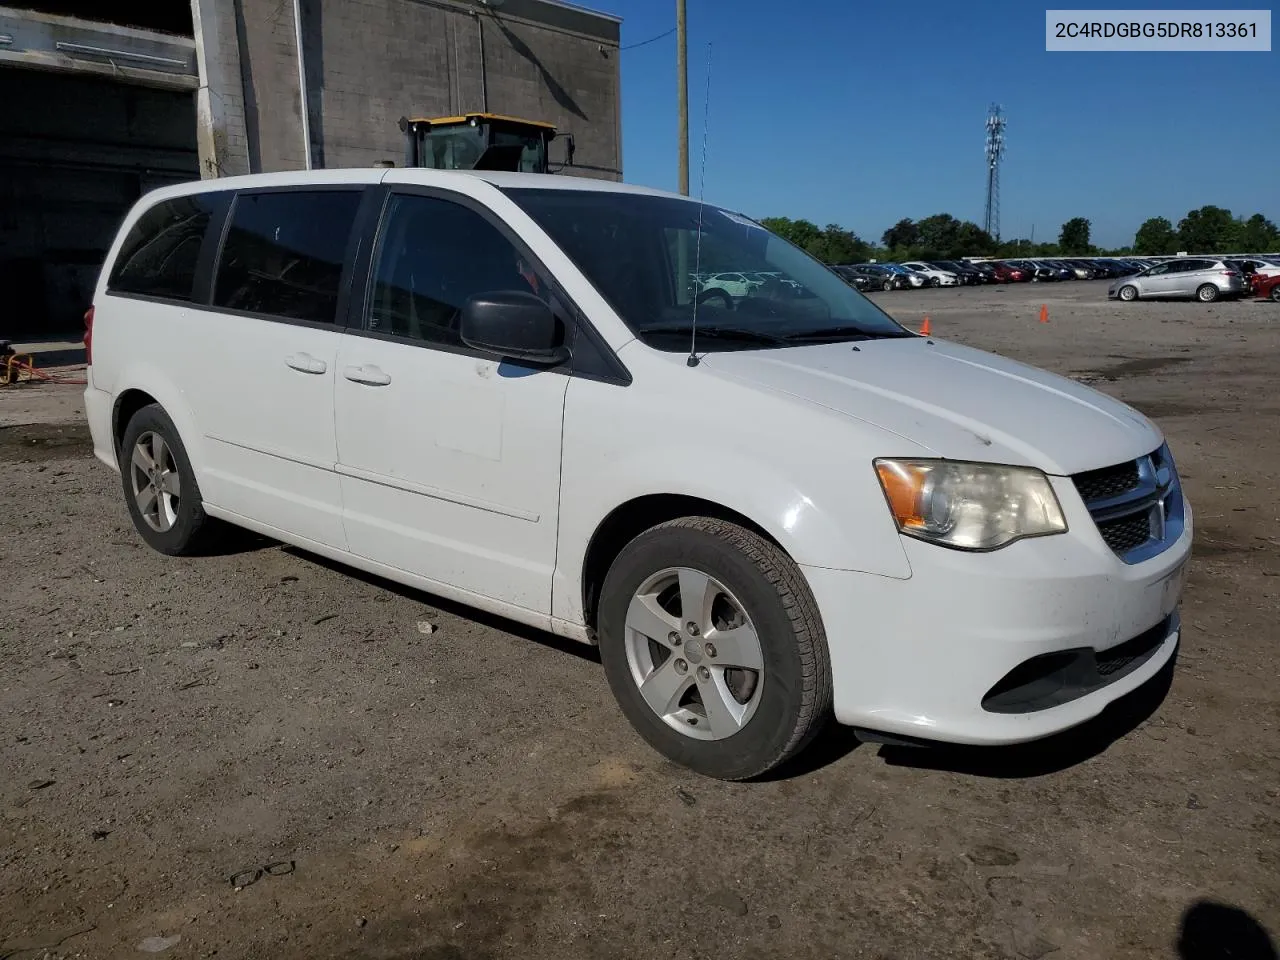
x=661 y=36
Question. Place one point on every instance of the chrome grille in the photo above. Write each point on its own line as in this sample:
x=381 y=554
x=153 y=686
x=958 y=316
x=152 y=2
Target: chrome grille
x=1137 y=505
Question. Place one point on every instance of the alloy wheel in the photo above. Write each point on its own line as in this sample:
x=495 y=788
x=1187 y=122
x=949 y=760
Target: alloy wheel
x=694 y=654
x=155 y=482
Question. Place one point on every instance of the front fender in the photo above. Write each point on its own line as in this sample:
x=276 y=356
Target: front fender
x=812 y=488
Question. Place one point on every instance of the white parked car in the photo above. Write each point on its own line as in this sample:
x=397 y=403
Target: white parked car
x=736 y=285
x=933 y=276
x=488 y=386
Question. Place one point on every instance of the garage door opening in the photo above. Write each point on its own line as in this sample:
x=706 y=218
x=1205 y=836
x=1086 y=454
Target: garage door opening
x=75 y=153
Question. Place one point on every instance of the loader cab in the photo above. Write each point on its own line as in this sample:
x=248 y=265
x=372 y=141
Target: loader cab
x=481 y=141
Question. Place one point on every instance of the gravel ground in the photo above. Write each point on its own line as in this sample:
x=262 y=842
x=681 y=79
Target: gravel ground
x=441 y=785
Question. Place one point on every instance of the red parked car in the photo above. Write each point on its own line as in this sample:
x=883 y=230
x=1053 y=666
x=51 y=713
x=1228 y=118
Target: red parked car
x=1266 y=287
x=1008 y=274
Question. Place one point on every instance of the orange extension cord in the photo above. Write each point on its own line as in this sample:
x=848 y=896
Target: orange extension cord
x=15 y=363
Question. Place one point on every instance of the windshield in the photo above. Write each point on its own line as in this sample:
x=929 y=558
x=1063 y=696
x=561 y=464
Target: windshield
x=646 y=256
x=533 y=158
x=460 y=147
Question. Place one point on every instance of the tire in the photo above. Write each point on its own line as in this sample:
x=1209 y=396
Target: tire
x=747 y=584
x=935 y=282
x=1275 y=293
x=716 y=293
x=1128 y=293
x=1206 y=293
x=172 y=521
x=887 y=285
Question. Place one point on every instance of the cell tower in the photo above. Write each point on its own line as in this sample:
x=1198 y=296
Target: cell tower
x=995 y=151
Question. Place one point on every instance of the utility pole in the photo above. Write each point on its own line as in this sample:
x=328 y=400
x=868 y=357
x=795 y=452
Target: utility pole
x=682 y=93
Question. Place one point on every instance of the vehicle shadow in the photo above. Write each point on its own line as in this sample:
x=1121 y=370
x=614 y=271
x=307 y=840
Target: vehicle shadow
x=1050 y=755
x=1216 y=931
x=231 y=540
x=491 y=620
x=831 y=746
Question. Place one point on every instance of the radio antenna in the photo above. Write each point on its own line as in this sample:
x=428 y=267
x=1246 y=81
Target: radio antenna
x=702 y=192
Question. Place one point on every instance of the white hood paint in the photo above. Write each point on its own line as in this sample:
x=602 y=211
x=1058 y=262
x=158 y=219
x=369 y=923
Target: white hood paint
x=960 y=403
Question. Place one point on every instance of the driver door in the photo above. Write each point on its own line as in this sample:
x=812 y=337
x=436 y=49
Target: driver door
x=1157 y=281
x=449 y=459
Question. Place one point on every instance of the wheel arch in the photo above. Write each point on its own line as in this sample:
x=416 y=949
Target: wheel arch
x=630 y=519
x=143 y=386
x=123 y=410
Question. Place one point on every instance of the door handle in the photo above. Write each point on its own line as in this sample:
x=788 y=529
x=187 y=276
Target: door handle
x=367 y=374
x=306 y=363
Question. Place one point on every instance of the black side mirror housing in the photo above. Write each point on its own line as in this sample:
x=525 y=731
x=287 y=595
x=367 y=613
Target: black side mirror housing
x=513 y=325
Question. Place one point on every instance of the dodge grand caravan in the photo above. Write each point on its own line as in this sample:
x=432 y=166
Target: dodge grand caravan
x=766 y=510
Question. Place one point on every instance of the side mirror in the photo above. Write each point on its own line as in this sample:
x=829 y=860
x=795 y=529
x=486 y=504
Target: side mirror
x=513 y=325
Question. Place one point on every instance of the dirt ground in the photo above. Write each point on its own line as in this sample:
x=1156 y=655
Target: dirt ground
x=472 y=792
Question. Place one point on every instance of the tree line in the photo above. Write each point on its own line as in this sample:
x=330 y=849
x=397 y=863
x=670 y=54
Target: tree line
x=1209 y=229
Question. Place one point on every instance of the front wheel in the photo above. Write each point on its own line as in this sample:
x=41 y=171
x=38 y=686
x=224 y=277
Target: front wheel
x=1275 y=293
x=713 y=647
x=1128 y=292
x=1207 y=293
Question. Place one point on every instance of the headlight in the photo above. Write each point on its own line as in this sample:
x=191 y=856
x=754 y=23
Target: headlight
x=969 y=506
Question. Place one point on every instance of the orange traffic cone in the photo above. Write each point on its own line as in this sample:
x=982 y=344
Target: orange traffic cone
x=1044 y=313
x=926 y=328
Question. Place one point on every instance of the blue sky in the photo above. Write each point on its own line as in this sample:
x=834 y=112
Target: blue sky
x=864 y=113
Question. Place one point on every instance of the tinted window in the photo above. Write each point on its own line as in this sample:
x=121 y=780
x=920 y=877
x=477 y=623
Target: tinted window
x=283 y=253
x=159 y=256
x=641 y=251
x=432 y=256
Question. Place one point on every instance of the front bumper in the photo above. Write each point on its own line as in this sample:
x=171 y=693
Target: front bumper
x=961 y=651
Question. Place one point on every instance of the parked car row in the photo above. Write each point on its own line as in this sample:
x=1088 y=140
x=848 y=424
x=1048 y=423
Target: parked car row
x=952 y=273
x=736 y=285
x=1207 y=278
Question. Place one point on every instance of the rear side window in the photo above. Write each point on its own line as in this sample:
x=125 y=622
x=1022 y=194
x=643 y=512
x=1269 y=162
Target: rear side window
x=158 y=258
x=283 y=253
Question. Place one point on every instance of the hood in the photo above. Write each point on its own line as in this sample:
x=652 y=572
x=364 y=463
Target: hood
x=957 y=402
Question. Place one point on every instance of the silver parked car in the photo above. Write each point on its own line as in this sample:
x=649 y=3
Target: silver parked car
x=1204 y=278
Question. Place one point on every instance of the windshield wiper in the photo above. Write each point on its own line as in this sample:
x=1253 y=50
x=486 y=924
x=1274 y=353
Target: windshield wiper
x=720 y=333
x=847 y=333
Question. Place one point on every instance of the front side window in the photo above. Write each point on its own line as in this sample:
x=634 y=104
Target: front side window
x=644 y=253
x=284 y=252
x=432 y=256
x=159 y=256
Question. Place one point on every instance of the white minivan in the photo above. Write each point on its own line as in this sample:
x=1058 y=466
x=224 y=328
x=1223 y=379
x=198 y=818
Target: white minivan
x=504 y=389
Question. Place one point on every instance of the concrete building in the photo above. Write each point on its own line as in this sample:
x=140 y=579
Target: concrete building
x=105 y=100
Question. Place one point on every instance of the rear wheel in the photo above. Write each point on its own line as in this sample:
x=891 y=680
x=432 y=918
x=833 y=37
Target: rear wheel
x=713 y=647
x=1128 y=292
x=1207 y=293
x=159 y=486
